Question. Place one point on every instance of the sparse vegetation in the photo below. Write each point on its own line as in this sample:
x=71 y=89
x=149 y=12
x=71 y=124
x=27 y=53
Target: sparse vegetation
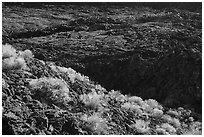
x=95 y=116
x=8 y=51
x=142 y=66
x=92 y=100
x=11 y=60
x=52 y=89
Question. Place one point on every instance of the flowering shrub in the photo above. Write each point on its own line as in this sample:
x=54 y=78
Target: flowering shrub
x=147 y=108
x=72 y=74
x=95 y=123
x=194 y=129
x=135 y=99
x=8 y=51
x=55 y=89
x=150 y=111
x=142 y=126
x=132 y=107
x=176 y=123
x=26 y=54
x=157 y=113
x=168 y=128
x=161 y=131
x=173 y=113
x=13 y=63
x=116 y=95
x=191 y=119
x=12 y=60
x=97 y=86
x=167 y=118
x=121 y=98
x=153 y=103
x=92 y=100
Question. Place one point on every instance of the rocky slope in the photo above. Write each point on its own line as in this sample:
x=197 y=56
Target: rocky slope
x=151 y=53
x=40 y=98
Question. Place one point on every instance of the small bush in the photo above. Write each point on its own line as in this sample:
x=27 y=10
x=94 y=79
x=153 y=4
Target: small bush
x=136 y=109
x=142 y=126
x=26 y=54
x=13 y=63
x=157 y=113
x=176 y=123
x=121 y=98
x=97 y=86
x=132 y=107
x=92 y=100
x=95 y=123
x=153 y=103
x=168 y=128
x=135 y=99
x=12 y=60
x=191 y=119
x=72 y=74
x=8 y=51
x=116 y=95
x=161 y=131
x=195 y=128
x=173 y=113
x=55 y=89
x=167 y=118
x=147 y=108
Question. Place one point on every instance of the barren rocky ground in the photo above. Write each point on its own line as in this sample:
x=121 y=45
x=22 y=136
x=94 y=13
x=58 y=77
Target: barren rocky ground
x=138 y=50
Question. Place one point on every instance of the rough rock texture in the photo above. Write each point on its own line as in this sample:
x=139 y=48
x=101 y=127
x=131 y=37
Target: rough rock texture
x=139 y=50
x=45 y=99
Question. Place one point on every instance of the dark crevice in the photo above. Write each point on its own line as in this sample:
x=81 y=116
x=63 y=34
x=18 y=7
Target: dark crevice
x=43 y=32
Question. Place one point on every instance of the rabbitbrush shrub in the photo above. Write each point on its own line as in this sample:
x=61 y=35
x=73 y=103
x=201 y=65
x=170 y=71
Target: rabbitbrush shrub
x=26 y=54
x=96 y=123
x=8 y=51
x=92 y=100
x=55 y=89
x=12 y=60
x=142 y=126
x=71 y=73
x=13 y=63
x=135 y=99
x=170 y=129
